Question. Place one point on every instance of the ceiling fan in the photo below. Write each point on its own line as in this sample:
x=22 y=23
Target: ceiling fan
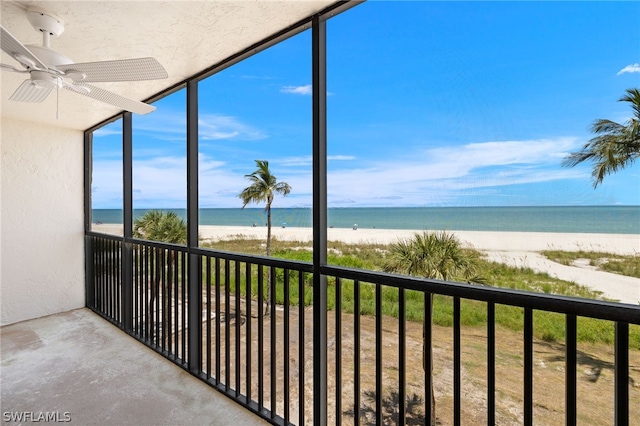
x=50 y=70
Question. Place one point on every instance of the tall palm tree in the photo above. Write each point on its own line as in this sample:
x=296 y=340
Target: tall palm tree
x=436 y=255
x=264 y=186
x=616 y=146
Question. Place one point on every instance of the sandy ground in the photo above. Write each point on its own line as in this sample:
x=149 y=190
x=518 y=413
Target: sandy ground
x=513 y=248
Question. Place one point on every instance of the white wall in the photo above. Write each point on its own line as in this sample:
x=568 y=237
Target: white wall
x=41 y=220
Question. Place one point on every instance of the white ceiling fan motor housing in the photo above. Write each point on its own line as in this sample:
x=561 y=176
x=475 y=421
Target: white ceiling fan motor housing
x=50 y=57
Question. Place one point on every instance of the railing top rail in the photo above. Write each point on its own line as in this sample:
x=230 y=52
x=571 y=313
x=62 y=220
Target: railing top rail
x=540 y=301
x=251 y=258
x=201 y=251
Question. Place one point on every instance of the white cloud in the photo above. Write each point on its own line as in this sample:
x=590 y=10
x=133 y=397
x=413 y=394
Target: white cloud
x=307 y=160
x=630 y=69
x=341 y=157
x=297 y=90
x=106 y=131
x=438 y=176
x=172 y=125
x=216 y=126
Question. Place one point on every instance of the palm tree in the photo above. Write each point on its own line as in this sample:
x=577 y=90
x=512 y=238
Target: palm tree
x=616 y=146
x=162 y=226
x=438 y=255
x=264 y=186
x=168 y=227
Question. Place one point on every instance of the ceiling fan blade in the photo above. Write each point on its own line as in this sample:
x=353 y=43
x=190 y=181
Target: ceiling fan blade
x=29 y=92
x=110 y=98
x=119 y=70
x=18 y=51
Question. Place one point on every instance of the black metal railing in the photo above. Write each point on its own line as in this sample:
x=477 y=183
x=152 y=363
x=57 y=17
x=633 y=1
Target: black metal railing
x=259 y=350
x=399 y=379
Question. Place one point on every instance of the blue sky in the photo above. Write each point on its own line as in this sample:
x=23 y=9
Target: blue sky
x=429 y=104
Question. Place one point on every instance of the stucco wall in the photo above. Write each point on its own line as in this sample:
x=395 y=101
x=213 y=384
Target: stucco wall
x=41 y=220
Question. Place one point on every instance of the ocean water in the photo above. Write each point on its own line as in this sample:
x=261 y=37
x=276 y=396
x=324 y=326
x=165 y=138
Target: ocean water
x=590 y=219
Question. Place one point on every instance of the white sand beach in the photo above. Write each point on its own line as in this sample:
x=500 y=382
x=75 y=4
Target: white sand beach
x=513 y=248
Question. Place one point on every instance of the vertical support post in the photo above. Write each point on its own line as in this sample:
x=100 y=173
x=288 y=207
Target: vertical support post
x=194 y=283
x=126 y=313
x=528 y=367
x=318 y=41
x=88 y=176
x=127 y=174
x=491 y=363
x=90 y=295
x=621 y=374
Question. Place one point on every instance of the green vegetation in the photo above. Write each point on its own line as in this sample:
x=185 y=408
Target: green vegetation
x=157 y=225
x=617 y=145
x=547 y=326
x=608 y=262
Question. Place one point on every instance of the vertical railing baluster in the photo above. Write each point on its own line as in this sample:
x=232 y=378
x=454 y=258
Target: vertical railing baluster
x=185 y=302
x=175 y=311
x=146 y=292
x=109 y=284
x=621 y=374
x=456 y=361
x=171 y=304
x=106 y=271
x=528 y=366
x=491 y=363
x=260 y=337
x=134 y=290
x=273 y=340
x=160 y=254
x=338 y=339
x=123 y=298
x=301 y=343
x=218 y=313
x=247 y=289
x=427 y=350
x=166 y=257
x=101 y=276
x=285 y=323
x=402 y=340
x=119 y=302
x=356 y=352
x=379 y=395
x=105 y=282
x=570 y=370
x=208 y=322
x=227 y=332
x=107 y=279
x=236 y=347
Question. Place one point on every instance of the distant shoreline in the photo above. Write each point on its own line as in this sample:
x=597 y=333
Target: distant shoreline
x=480 y=240
x=518 y=249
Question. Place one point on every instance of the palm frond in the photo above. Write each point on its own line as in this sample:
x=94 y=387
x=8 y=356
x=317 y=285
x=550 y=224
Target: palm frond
x=617 y=145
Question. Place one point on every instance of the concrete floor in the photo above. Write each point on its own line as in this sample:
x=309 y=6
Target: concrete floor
x=78 y=366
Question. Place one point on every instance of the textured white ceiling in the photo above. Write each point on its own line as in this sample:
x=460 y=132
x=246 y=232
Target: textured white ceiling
x=184 y=36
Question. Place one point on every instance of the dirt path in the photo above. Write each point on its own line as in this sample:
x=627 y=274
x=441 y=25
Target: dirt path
x=613 y=286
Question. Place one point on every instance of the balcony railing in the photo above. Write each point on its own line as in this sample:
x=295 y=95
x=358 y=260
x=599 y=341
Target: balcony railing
x=210 y=312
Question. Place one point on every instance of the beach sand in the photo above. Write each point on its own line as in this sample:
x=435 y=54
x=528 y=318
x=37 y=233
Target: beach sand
x=513 y=248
